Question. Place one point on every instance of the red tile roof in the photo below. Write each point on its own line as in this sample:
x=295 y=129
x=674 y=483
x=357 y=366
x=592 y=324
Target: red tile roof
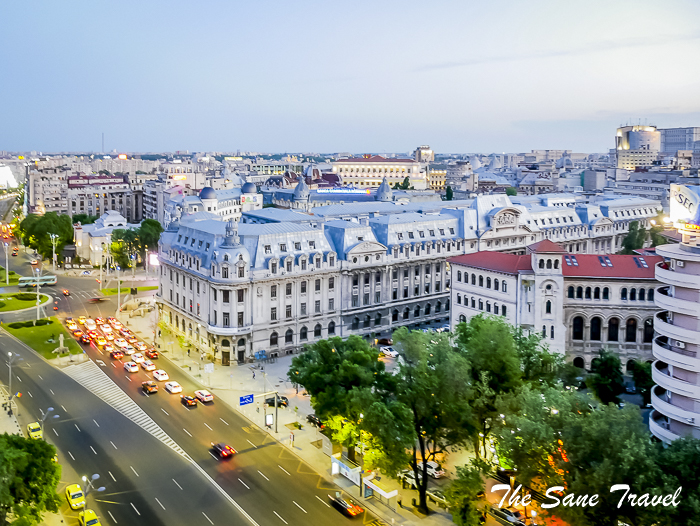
x=374 y=159
x=546 y=246
x=590 y=266
x=496 y=261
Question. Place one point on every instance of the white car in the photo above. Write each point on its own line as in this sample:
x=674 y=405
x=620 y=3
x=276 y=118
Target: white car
x=173 y=387
x=116 y=325
x=389 y=351
x=90 y=324
x=434 y=469
x=204 y=395
x=120 y=342
x=106 y=329
x=160 y=375
x=137 y=358
x=128 y=349
x=131 y=367
x=141 y=346
x=148 y=365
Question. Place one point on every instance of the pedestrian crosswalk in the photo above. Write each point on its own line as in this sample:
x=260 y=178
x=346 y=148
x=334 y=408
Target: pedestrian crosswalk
x=89 y=375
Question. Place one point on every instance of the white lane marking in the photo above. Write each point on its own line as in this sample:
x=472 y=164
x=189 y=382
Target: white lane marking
x=246 y=485
x=76 y=426
x=256 y=447
x=279 y=517
x=302 y=509
x=224 y=421
x=132 y=505
x=19 y=378
x=93 y=450
x=263 y=476
x=110 y=514
x=323 y=501
x=132 y=469
x=129 y=380
x=209 y=428
x=287 y=472
x=55 y=432
x=40 y=378
x=160 y=503
x=115 y=447
x=71 y=455
x=110 y=474
x=165 y=411
x=185 y=430
x=114 y=365
x=205 y=516
x=53 y=393
x=213 y=456
x=98 y=425
x=178 y=485
x=30 y=394
x=66 y=410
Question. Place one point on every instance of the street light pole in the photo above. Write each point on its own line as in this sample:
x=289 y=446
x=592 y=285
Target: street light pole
x=90 y=486
x=54 y=238
x=39 y=269
x=102 y=250
x=119 y=290
x=12 y=357
x=7 y=264
x=46 y=415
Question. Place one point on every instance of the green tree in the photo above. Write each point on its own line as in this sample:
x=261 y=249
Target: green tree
x=538 y=365
x=35 y=231
x=405 y=185
x=449 y=194
x=678 y=467
x=511 y=191
x=634 y=240
x=124 y=246
x=148 y=236
x=466 y=507
x=84 y=219
x=641 y=374
x=28 y=480
x=606 y=380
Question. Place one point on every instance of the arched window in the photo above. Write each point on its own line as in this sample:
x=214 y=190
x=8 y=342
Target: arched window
x=459 y=299
x=631 y=331
x=648 y=330
x=488 y=306
x=416 y=311
x=406 y=313
x=596 y=293
x=317 y=330
x=579 y=292
x=630 y=366
x=355 y=323
x=225 y=343
x=481 y=304
x=495 y=284
x=541 y=265
x=504 y=287
x=427 y=309
x=548 y=307
x=623 y=293
x=289 y=336
x=303 y=333
x=571 y=292
x=273 y=339
x=613 y=329
x=544 y=331
x=331 y=328
x=642 y=294
x=595 y=328
x=556 y=263
x=488 y=283
x=549 y=265
x=578 y=328
x=462 y=318
x=438 y=306
x=650 y=296
x=367 y=322
x=395 y=315
x=481 y=281
x=495 y=308
x=378 y=318
x=551 y=332
x=241 y=342
x=606 y=293
x=633 y=294
x=459 y=275
x=473 y=279
x=578 y=362
x=588 y=293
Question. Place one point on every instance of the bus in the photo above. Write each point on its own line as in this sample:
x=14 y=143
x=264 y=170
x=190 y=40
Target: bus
x=32 y=281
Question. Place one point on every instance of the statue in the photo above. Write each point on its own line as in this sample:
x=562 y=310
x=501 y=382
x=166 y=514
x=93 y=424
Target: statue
x=61 y=349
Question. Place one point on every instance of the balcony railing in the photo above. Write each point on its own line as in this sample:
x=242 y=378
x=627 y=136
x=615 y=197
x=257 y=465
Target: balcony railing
x=664 y=300
x=673 y=277
x=678 y=357
x=658 y=426
x=659 y=374
x=666 y=328
x=670 y=410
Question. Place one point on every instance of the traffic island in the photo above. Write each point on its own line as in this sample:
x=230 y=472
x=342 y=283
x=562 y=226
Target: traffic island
x=44 y=337
x=21 y=301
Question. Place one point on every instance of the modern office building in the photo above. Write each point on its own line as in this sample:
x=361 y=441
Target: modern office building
x=637 y=146
x=675 y=139
x=676 y=371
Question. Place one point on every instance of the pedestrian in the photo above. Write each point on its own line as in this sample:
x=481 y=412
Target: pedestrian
x=253 y=375
x=398 y=501
x=188 y=352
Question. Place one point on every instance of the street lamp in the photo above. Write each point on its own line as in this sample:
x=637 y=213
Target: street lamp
x=54 y=240
x=7 y=263
x=101 y=249
x=12 y=357
x=39 y=269
x=46 y=415
x=90 y=487
x=119 y=290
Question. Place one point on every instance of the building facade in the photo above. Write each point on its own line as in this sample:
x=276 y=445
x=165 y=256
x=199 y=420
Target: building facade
x=637 y=146
x=370 y=170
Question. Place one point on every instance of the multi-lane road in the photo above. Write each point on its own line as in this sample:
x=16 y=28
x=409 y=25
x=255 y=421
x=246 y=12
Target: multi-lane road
x=174 y=480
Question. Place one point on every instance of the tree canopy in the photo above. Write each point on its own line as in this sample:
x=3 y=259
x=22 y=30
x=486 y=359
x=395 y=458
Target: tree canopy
x=635 y=238
x=449 y=194
x=35 y=231
x=606 y=380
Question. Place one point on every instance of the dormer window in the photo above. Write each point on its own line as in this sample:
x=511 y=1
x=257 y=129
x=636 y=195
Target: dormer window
x=452 y=231
x=318 y=261
x=268 y=249
x=421 y=233
x=179 y=238
x=283 y=247
x=208 y=245
x=399 y=235
x=442 y=231
x=297 y=246
x=273 y=267
x=360 y=238
x=241 y=273
x=432 y=233
x=226 y=257
x=312 y=244
x=224 y=272
x=186 y=239
x=410 y=235
x=303 y=264
x=289 y=265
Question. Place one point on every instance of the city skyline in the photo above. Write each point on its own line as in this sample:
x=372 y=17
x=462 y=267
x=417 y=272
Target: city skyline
x=372 y=78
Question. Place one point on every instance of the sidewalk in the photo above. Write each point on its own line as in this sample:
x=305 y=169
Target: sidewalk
x=229 y=383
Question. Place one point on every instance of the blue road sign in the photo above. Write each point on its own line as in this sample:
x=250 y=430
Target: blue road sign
x=247 y=399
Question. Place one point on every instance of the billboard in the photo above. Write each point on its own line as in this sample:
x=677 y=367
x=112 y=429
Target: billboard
x=343 y=191
x=685 y=206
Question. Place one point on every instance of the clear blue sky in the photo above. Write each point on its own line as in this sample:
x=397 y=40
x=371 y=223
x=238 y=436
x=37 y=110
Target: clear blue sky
x=319 y=76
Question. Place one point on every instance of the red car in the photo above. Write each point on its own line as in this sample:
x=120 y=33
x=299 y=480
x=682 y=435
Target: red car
x=117 y=355
x=223 y=450
x=152 y=354
x=85 y=338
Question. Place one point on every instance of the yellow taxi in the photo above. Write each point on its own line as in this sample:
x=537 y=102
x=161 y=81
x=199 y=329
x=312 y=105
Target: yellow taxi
x=34 y=430
x=72 y=326
x=109 y=336
x=101 y=341
x=81 y=320
x=75 y=497
x=88 y=518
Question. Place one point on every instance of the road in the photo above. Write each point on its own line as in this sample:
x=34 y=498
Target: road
x=265 y=478
x=146 y=482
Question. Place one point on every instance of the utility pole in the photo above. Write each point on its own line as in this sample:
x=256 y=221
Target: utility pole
x=7 y=264
x=102 y=249
x=119 y=290
x=39 y=268
x=54 y=238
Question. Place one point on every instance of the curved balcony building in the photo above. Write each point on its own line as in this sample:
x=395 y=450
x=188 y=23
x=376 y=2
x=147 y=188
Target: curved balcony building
x=676 y=347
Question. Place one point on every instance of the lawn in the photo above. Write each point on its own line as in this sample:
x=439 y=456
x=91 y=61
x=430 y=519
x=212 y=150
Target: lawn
x=14 y=278
x=37 y=337
x=127 y=290
x=10 y=302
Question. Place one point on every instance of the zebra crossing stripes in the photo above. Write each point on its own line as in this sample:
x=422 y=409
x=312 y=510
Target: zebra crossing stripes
x=90 y=376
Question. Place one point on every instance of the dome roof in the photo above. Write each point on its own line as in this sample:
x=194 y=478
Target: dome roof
x=207 y=193
x=384 y=192
x=249 y=188
x=301 y=192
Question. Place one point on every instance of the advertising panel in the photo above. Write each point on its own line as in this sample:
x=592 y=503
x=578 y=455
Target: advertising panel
x=685 y=206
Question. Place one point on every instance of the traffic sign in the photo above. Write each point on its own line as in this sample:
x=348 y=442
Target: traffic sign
x=246 y=399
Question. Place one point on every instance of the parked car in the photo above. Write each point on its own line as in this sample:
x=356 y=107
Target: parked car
x=437 y=496
x=434 y=469
x=385 y=341
x=389 y=351
x=507 y=515
x=315 y=421
x=283 y=401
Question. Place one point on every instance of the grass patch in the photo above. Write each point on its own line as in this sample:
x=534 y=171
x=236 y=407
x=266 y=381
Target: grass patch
x=17 y=301
x=14 y=278
x=127 y=290
x=37 y=338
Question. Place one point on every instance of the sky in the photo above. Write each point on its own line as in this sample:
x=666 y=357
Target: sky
x=359 y=76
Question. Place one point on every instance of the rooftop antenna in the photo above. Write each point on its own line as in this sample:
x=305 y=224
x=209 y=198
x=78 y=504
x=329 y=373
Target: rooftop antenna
x=103 y=142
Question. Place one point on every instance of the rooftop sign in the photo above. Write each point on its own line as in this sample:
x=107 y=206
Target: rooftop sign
x=343 y=191
x=685 y=206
